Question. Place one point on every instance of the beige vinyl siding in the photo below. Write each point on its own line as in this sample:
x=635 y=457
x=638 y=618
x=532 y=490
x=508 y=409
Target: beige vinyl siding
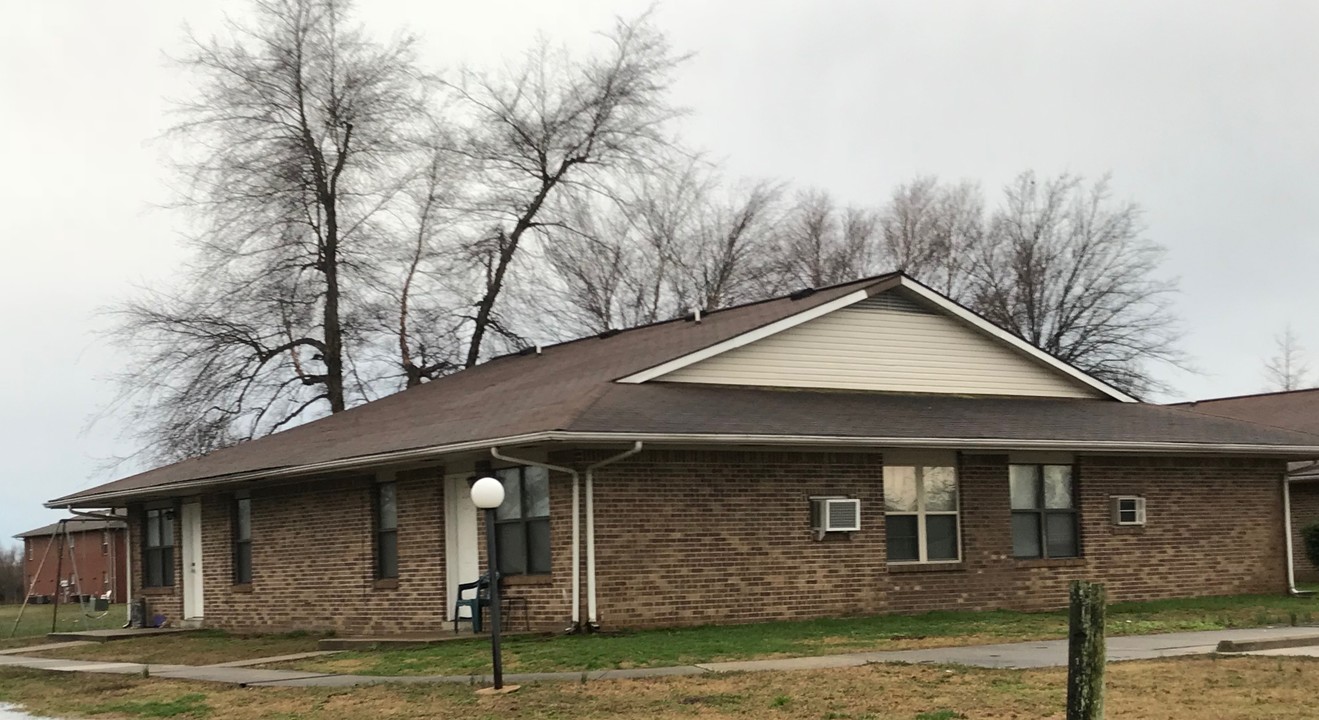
x=887 y=343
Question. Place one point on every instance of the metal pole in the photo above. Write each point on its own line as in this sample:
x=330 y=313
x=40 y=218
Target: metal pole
x=492 y=562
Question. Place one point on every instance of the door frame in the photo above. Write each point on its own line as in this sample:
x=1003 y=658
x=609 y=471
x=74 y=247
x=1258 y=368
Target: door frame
x=190 y=527
x=461 y=559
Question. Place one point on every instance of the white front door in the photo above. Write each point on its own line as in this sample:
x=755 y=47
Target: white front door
x=462 y=562
x=192 y=560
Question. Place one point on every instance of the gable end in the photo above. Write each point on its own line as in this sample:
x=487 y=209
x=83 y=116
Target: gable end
x=899 y=340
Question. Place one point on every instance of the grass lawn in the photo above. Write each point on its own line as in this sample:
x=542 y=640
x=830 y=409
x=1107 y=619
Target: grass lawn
x=1239 y=688
x=199 y=647
x=36 y=622
x=659 y=648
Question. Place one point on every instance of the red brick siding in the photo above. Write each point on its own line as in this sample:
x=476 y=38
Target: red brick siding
x=548 y=598
x=688 y=538
x=160 y=601
x=1305 y=510
x=692 y=538
x=313 y=559
x=97 y=572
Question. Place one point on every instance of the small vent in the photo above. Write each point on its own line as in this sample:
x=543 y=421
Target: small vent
x=1128 y=510
x=893 y=301
x=835 y=514
x=802 y=294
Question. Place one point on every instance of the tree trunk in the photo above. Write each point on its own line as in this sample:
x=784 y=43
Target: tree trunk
x=1086 y=653
x=333 y=331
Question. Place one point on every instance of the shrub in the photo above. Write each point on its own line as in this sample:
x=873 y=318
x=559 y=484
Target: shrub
x=1310 y=537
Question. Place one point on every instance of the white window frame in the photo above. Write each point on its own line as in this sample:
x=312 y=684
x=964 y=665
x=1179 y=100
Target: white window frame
x=921 y=513
x=1141 y=517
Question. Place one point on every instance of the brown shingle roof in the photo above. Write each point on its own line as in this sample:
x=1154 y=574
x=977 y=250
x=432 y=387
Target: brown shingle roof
x=1293 y=410
x=569 y=388
x=507 y=396
x=76 y=525
x=710 y=409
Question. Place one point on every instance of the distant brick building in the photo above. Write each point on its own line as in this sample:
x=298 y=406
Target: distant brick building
x=866 y=448
x=95 y=556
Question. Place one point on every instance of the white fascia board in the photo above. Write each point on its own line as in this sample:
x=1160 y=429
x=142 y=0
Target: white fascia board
x=746 y=338
x=1002 y=335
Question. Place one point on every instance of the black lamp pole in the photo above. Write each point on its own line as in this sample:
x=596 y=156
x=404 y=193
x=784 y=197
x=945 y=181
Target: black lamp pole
x=492 y=562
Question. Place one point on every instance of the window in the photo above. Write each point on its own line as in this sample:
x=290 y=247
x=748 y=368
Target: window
x=105 y=542
x=386 y=530
x=29 y=551
x=158 y=548
x=1128 y=510
x=522 y=522
x=920 y=513
x=242 y=541
x=1043 y=511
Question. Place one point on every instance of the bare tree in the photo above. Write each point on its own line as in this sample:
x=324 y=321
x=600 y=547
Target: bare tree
x=290 y=149
x=1288 y=369
x=933 y=231
x=554 y=124
x=819 y=244
x=1066 y=267
x=725 y=256
x=613 y=258
x=11 y=574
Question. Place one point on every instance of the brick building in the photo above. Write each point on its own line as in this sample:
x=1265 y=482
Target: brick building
x=1293 y=410
x=89 y=559
x=865 y=448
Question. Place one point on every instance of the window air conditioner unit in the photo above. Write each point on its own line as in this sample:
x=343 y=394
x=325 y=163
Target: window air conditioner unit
x=835 y=514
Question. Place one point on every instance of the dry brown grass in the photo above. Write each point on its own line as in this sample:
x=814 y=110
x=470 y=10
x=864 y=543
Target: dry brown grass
x=1246 y=688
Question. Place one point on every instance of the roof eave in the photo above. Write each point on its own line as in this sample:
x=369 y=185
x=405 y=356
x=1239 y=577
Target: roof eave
x=115 y=499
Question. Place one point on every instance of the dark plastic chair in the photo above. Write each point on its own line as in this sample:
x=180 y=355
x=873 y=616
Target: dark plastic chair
x=478 y=602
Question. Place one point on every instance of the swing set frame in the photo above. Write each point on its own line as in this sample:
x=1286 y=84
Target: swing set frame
x=90 y=605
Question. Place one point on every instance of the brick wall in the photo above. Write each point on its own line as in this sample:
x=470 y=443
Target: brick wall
x=1305 y=510
x=692 y=537
x=166 y=601
x=99 y=568
x=313 y=559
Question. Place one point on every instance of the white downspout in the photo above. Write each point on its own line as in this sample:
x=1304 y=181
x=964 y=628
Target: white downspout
x=576 y=530
x=592 y=617
x=1287 y=529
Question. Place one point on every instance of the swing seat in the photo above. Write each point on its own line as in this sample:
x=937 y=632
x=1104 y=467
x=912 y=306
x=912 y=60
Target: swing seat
x=100 y=604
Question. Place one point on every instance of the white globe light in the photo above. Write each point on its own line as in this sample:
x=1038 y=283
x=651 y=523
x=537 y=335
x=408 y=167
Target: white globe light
x=487 y=493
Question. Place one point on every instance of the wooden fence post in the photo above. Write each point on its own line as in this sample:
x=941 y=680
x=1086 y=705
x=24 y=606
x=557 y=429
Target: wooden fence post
x=1086 y=653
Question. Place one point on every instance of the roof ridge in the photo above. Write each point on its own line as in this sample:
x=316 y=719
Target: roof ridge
x=716 y=311
x=1273 y=393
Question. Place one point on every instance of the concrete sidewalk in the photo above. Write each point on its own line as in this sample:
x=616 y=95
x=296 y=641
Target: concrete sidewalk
x=1040 y=654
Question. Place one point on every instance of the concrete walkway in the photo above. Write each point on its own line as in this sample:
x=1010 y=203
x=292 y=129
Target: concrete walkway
x=1046 y=653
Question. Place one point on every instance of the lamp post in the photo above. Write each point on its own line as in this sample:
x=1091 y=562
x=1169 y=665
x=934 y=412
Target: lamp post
x=488 y=494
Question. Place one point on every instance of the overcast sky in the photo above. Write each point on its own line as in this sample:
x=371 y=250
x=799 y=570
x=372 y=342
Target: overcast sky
x=1205 y=113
